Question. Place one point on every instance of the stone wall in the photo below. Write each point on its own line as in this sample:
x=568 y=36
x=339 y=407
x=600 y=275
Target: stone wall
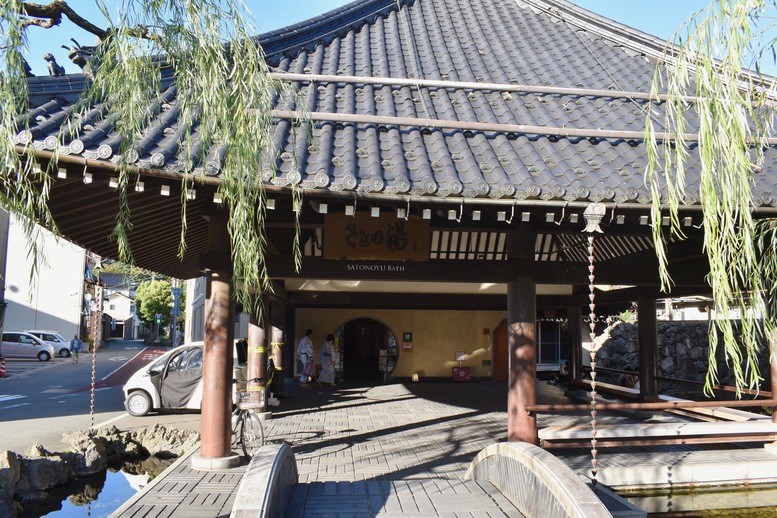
x=683 y=350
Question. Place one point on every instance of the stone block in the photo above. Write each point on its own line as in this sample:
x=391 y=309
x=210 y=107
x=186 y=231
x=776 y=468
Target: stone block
x=10 y=472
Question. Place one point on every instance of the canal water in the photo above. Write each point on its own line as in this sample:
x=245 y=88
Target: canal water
x=730 y=501
x=98 y=496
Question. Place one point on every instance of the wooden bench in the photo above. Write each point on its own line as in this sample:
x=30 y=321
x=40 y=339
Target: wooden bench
x=644 y=434
x=717 y=413
x=614 y=390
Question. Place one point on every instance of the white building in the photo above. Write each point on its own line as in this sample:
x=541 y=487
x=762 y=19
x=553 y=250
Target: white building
x=195 y=313
x=53 y=299
x=120 y=308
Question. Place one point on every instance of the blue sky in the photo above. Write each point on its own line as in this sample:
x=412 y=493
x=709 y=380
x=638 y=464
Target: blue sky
x=657 y=17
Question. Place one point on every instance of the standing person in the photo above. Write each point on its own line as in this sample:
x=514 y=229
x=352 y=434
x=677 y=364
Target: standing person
x=305 y=355
x=327 y=362
x=75 y=347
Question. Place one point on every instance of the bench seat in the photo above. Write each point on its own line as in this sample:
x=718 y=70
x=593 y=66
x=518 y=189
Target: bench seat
x=721 y=413
x=643 y=434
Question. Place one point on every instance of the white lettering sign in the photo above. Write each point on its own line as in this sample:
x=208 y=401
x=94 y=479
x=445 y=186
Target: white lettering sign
x=357 y=267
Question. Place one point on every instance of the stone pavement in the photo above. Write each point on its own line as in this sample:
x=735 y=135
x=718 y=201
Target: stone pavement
x=403 y=450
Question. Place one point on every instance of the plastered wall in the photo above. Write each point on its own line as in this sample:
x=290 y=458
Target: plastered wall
x=437 y=336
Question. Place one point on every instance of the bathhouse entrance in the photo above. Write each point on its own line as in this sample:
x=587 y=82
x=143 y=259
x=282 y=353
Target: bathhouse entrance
x=369 y=351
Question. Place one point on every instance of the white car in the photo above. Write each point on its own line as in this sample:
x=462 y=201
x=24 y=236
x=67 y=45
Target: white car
x=174 y=380
x=25 y=345
x=54 y=339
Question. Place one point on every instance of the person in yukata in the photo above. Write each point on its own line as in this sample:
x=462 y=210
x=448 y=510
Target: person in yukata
x=327 y=362
x=305 y=356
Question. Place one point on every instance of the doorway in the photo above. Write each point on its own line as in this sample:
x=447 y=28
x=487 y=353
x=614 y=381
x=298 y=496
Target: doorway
x=369 y=351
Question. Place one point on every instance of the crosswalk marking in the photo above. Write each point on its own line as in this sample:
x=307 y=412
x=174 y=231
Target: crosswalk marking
x=15 y=406
x=10 y=397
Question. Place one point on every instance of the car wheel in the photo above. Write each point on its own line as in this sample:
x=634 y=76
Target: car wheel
x=44 y=356
x=64 y=353
x=138 y=404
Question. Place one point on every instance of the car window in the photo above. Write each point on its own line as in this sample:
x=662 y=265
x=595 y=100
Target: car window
x=178 y=362
x=27 y=340
x=195 y=359
x=158 y=366
x=10 y=337
x=48 y=338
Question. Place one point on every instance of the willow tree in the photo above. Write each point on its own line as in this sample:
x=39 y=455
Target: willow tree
x=223 y=88
x=713 y=76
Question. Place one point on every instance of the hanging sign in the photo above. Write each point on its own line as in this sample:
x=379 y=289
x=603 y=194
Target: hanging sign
x=386 y=238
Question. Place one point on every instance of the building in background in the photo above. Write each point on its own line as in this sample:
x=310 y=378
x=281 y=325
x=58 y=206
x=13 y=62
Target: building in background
x=195 y=313
x=119 y=305
x=53 y=298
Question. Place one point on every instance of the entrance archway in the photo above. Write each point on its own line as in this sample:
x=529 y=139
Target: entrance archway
x=369 y=351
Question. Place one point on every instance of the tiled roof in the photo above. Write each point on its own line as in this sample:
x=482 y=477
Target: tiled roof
x=383 y=146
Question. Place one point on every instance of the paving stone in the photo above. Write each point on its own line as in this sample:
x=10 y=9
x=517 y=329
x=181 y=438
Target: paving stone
x=406 y=458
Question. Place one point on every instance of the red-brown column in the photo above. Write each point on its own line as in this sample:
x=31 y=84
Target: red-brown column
x=257 y=355
x=219 y=336
x=278 y=346
x=521 y=344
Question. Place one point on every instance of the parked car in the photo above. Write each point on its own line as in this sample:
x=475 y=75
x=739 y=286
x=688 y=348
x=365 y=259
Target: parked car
x=54 y=339
x=174 y=380
x=25 y=345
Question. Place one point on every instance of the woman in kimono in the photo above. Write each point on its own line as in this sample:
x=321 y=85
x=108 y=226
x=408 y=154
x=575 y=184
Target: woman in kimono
x=305 y=356
x=327 y=362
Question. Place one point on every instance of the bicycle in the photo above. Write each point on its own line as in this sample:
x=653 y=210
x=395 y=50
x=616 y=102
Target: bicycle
x=247 y=427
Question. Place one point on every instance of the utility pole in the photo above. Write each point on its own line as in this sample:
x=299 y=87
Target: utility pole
x=175 y=312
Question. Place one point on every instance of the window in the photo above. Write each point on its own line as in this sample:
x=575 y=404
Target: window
x=10 y=337
x=548 y=341
x=113 y=306
x=195 y=360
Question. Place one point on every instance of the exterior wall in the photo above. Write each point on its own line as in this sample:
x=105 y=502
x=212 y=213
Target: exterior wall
x=437 y=336
x=122 y=307
x=194 y=329
x=54 y=301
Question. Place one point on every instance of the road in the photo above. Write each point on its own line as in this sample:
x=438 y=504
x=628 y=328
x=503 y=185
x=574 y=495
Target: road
x=41 y=401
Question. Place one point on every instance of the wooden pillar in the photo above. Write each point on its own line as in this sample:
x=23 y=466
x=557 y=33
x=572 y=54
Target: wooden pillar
x=279 y=348
x=256 y=362
x=575 y=322
x=217 y=370
x=522 y=344
x=648 y=348
x=278 y=345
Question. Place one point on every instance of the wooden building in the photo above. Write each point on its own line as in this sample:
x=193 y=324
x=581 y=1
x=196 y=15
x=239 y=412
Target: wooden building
x=457 y=147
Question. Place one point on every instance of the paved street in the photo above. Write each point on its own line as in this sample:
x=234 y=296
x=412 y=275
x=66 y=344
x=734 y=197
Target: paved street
x=48 y=399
